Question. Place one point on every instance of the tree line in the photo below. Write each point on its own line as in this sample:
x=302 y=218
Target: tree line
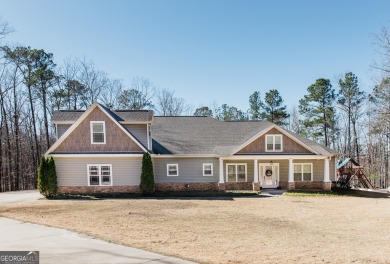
x=354 y=122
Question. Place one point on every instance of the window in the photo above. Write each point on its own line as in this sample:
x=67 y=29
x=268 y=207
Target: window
x=98 y=131
x=207 y=169
x=172 y=170
x=273 y=143
x=99 y=175
x=303 y=172
x=236 y=172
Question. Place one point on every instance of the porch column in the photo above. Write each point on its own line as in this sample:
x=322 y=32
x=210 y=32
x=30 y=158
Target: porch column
x=256 y=171
x=256 y=185
x=327 y=184
x=221 y=183
x=291 y=183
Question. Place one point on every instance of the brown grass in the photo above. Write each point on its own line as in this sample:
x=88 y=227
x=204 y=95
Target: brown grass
x=232 y=230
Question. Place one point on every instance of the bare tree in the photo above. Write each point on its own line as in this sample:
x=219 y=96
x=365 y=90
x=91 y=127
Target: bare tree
x=5 y=29
x=139 y=96
x=382 y=42
x=110 y=96
x=169 y=105
x=94 y=81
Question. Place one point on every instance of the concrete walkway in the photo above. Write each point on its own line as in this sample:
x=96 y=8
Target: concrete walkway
x=57 y=245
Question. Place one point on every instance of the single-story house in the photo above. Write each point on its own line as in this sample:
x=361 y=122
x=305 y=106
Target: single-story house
x=100 y=150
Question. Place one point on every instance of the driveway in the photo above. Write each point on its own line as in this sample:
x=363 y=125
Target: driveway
x=19 y=196
x=57 y=245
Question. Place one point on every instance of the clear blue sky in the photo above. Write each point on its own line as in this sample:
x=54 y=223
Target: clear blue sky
x=209 y=51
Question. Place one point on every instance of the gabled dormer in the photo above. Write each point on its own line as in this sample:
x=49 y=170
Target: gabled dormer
x=275 y=141
x=98 y=129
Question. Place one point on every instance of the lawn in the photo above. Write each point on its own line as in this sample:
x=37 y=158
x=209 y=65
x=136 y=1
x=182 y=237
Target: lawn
x=282 y=229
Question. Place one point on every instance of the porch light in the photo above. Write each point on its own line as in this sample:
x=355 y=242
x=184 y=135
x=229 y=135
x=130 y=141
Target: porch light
x=271 y=162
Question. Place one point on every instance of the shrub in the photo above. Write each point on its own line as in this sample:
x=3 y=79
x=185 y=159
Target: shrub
x=47 y=177
x=147 y=176
x=42 y=176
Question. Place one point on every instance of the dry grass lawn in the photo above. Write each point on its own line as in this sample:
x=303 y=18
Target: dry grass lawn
x=232 y=230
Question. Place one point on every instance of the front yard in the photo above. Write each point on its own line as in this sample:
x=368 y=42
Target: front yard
x=283 y=229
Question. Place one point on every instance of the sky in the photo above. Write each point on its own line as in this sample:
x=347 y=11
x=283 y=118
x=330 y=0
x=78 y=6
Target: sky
x=209 y=52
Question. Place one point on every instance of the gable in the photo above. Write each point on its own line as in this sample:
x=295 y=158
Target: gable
x=79 y=140
x=289 y=145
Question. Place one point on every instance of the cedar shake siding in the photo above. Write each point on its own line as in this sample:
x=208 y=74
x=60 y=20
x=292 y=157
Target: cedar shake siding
x=79 y=140
x=289 y=145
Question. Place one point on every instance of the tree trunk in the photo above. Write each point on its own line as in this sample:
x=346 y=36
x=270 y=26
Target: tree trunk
x=37 y=150
x=16 y=120
x=356 y=143
x=45 y=116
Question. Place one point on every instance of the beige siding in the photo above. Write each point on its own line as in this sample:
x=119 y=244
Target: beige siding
x=61 y=129
x=73 y=171
x=190 y=170
x=318 y=168
x=249 y=168
x=139 y=131
x=283 y=168
x=332 y=169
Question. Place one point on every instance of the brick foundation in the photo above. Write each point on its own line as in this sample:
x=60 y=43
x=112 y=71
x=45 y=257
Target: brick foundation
x=221 y=186
x=291 y=186
x=309 y=185
x=97 y=189
x=256 y=187
x=327 y=186
x=193 y=186
x=239 y=186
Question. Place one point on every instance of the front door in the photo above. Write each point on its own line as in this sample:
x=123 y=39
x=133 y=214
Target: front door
x=269 y=175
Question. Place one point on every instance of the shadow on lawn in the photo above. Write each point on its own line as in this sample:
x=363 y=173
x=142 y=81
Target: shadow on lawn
x=182 y=195
x=336 y=192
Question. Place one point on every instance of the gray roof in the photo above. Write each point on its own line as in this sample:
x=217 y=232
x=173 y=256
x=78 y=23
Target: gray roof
x=206 y=135
x=119 y=115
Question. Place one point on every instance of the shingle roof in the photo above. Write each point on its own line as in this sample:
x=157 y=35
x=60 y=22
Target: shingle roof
x=119 y=115
x=206 y=135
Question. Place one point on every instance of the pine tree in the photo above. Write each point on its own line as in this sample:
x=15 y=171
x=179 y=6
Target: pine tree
x=351 y=99
x=274 y=110
x=42 y=176
x=147 y=175
x=317 y=108
x=52 y=177
x=255 y=105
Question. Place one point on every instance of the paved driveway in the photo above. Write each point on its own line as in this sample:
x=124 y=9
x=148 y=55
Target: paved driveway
x=57 y=245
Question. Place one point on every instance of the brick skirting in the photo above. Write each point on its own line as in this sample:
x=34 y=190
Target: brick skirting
x=310 y=185
x=97 y=189
x=191 y=186
x=207 y=186
x=239 y=186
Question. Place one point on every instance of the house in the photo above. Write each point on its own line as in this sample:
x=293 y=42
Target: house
x=99 y=150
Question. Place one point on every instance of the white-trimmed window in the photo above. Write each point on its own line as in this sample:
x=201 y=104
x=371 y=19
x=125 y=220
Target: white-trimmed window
x=273 y=143
x=207 y=169
x=98 y=132
x=99 y=174
x=236 y=172
x=172 y=170
x=303 y=172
